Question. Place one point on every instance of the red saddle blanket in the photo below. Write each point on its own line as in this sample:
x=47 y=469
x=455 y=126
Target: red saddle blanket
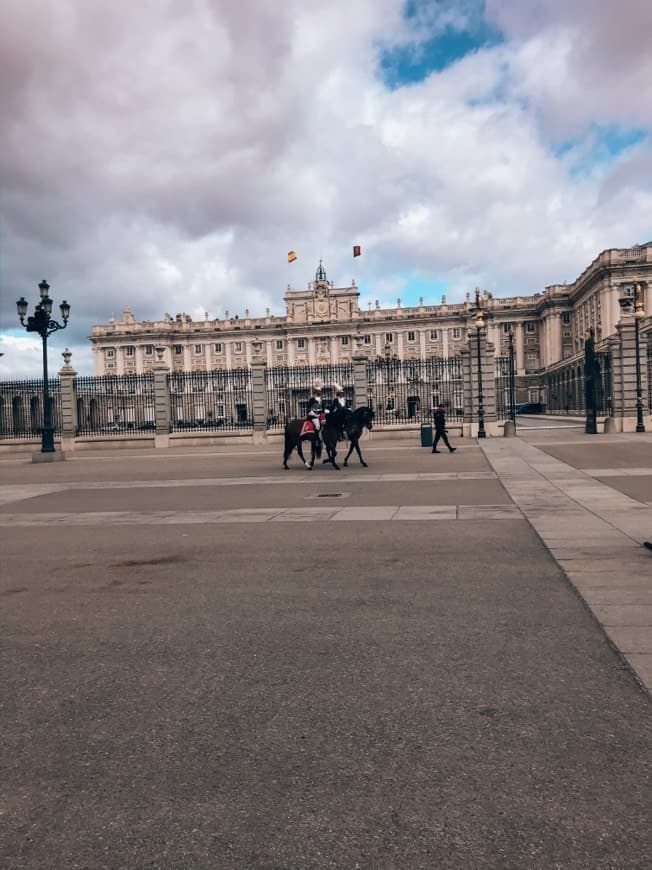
x=308 y=427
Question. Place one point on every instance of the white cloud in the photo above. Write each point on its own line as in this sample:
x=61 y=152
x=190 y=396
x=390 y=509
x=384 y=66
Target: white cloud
x=167 y=158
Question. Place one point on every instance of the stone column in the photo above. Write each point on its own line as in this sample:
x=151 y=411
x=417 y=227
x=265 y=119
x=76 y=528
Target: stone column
x=469 y=394
x=624 y=375
x=68 y=403
x=360 y=395
x=519 y=344
x=259 y=393
x=161 y=401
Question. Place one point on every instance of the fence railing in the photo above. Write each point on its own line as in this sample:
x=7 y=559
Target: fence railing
x=115 y=405
x=565 y=387
x=407 y=391
x=215 y=400
x=288 y=389
x=21 y=408
x=503 y=387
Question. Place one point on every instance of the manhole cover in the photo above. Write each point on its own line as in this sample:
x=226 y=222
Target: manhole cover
x=329 y=495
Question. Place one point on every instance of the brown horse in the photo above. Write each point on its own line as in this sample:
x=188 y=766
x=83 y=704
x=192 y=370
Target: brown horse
x=352 y=424
x=294 y=439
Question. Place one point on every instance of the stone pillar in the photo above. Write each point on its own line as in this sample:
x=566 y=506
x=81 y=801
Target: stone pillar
x=469 y=393
x=520 y=348
x=259 y=393
x=360 y=395
x=161 y=401
x=68 y=403
x=624 y=375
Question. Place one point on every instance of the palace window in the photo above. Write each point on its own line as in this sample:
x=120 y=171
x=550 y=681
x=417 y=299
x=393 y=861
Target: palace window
x=149 y=350
x=345 y=339
x=178 y=350
x=565 y=318
x=506 y=328
x=389 y=337
x=279 y=345
x=411 y=336
x=457 y=332
x=367 y=339
x=218 y=347
x=238 y=347
x=198 y=348
x=301 y=343
x=434 y=334
x=529 y=326
x=129 y=350
x=110 y=352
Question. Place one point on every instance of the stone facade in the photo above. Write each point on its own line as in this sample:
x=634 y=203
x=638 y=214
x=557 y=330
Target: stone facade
x=324 y=324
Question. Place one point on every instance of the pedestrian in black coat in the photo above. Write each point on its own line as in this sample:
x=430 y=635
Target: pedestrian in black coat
x=440 y=430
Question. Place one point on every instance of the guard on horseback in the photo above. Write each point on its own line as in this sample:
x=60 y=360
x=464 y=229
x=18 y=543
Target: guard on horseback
x=315 y=412
x=339 y=409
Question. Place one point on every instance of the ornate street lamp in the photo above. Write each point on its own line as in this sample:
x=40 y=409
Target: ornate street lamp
x=591 y=423
x=639 y=315
x=632 y=297
x=41 y=322
x=479 y=324
x=512 y=380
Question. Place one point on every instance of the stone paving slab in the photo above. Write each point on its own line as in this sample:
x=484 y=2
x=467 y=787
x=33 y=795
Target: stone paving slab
x=624 y=614
x=605 y=596
x=641 y=665
x=365 y=513
x=594 y=532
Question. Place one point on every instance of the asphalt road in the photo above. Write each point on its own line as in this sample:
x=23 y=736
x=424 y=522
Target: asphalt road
x=372 y=694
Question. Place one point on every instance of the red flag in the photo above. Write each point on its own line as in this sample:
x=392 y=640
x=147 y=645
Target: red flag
x=356 y=250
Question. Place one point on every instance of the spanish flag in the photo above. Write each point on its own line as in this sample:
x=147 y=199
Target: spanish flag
x=356 y=250
x=291 y=256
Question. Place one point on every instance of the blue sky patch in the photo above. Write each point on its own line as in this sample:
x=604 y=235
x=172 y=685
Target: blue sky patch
x=431 y=289
x=600 y=144
x=413 y=63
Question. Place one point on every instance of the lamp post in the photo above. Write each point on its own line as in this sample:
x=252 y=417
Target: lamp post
x=631 y=297
x=639 y=314
x=591 y=424
x=512 y=380
x=41 y=322
x=479 y=323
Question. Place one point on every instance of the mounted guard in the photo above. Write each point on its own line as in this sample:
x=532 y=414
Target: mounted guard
x=315 y=416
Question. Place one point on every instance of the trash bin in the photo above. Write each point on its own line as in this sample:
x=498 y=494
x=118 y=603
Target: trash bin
x=426 y=435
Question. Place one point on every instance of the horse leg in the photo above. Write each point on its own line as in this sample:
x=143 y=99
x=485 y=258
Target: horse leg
x=357 y=448
x=346 y=458
x=289 y=447
x=301 y=456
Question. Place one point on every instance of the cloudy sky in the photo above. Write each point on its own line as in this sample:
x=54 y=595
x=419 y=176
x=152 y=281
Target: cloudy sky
x=167 y=154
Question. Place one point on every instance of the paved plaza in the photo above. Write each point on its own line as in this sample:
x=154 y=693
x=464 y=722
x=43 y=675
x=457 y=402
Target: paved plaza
x=435 y=662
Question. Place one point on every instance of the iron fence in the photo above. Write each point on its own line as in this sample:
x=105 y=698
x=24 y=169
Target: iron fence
x=565 y=387
x=503 y=387
x=214 y=401
x=649 y=373
x=288 y=389
x=115 y=405
x=407 y=391
x=21 y=408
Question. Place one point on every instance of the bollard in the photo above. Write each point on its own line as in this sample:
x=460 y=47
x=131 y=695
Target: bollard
x=509 y=429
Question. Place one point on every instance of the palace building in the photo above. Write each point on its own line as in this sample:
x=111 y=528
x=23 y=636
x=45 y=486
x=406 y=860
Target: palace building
x=325 y=325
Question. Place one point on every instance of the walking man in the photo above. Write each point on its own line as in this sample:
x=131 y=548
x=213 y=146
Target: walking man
x=440 y=430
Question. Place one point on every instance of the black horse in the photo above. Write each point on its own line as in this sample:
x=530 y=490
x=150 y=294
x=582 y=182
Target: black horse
x=294 y=439
x=352 y=424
